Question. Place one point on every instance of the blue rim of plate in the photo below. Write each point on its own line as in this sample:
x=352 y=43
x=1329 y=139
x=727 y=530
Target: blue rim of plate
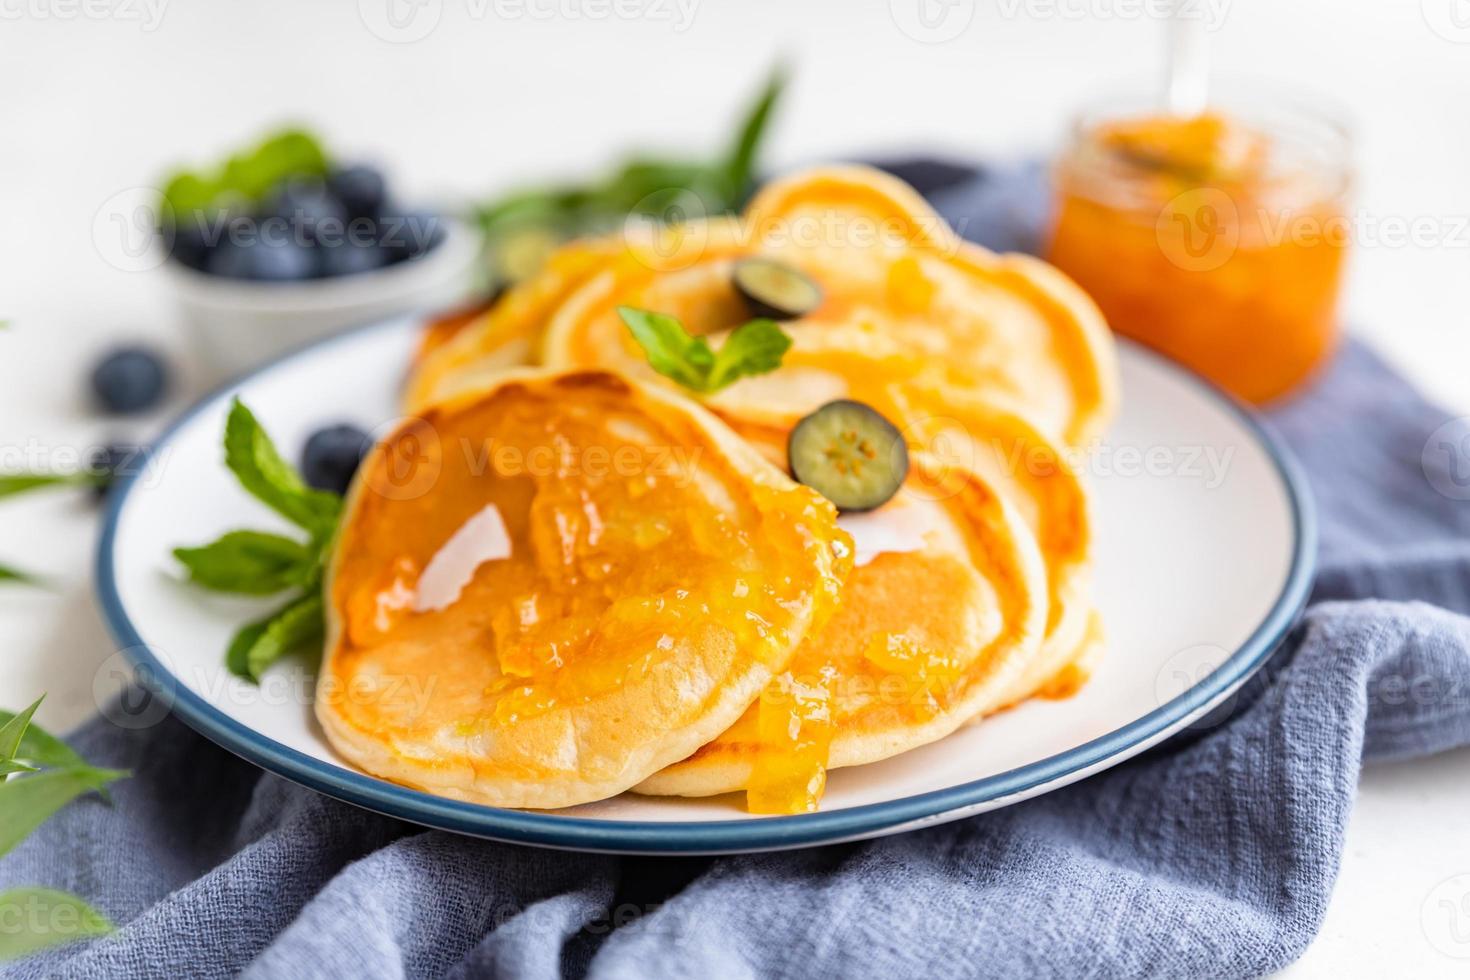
x=715 y=836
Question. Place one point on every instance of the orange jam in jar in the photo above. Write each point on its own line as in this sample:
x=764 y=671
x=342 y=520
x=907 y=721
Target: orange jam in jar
x=1216 y=239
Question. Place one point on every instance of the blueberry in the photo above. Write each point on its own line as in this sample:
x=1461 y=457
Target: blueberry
x=271 y=259
x=350 y=258
x=331 y=456
x=187 y=240
x=309 y=209
x=115 y=460
x=410 y=234
x=360 y=189
x=129 y=379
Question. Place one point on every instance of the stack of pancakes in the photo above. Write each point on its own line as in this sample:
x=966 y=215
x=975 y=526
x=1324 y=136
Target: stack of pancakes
x=564 y=576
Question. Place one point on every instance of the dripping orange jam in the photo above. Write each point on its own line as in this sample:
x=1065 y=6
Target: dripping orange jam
x=1216 y=240
x=881 y=662
x=634 y=545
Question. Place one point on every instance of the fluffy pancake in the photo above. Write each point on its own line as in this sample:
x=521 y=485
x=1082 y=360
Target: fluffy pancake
x=547 y=588
x=960 y=433
x=888 y=673
x=899 y=286
x=927 y=309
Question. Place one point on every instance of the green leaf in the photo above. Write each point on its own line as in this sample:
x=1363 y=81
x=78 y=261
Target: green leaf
x=252 y=457
x=15 y=483
x=10 y=766
x=41 y=748
x=249 y=562
x=11 y=574
x=260 y=644
x=671 y=351
x=248 y=175
x=14 y=729
x=740 y=161
x=237 y=655
x=44 y=917
x=753 y=348
x=26 y=802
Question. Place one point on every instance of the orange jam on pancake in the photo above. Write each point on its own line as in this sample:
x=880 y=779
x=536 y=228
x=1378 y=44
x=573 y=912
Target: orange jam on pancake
x=637 y=550
x=883 y=660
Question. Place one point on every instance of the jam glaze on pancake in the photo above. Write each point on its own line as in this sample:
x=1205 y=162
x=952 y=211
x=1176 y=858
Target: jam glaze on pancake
x=659 y=574
x=924 y=639
x=899 y=287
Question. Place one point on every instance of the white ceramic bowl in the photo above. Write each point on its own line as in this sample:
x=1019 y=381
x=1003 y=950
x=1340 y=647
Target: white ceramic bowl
x=237 y=324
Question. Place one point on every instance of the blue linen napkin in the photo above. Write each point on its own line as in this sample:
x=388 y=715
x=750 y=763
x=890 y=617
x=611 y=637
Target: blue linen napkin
x=1211 y=856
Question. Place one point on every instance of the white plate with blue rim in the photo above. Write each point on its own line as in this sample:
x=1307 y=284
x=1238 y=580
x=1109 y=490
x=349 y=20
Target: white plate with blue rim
x=1205 y=548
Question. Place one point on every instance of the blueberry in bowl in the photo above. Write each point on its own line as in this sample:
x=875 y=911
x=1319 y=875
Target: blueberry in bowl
x=282 y=244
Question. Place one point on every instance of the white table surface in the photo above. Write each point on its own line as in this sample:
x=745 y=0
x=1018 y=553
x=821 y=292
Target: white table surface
x=101 y=97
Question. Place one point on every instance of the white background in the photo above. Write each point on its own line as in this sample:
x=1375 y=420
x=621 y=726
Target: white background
x=102 y=97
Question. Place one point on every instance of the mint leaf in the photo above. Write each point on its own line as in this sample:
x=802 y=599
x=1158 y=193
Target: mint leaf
x=669 y=348
x=753 y=348
x=11 y=574
x=260 y=644
x=249 y=562
x=45 y=917
x=14 y=483
x=237 y=654
x=252 y=457
x=14 y=729
x=28 y=801
x=740 y=163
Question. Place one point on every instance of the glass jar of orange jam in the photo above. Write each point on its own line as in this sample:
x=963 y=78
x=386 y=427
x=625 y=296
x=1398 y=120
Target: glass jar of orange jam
x=1217 y=239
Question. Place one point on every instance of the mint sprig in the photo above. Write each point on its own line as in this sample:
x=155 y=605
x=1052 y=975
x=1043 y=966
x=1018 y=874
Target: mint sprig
x=752 y=348
x=40 y=774
x=262 y=563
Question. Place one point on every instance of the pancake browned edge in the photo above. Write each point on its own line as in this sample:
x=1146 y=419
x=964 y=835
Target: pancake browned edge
x=1003 y=550
x=596 y=748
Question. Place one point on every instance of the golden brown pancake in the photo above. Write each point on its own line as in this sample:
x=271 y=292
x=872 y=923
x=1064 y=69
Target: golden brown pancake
x=925 y=309
x=546 y=589
x=967 y=434
x=936 y=623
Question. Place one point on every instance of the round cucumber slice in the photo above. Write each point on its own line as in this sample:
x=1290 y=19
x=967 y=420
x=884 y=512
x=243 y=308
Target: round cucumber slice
x=775 y=290
x=850 y=454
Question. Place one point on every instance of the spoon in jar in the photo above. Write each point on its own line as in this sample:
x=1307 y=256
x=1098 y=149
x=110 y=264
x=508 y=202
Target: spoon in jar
x=1187 y=67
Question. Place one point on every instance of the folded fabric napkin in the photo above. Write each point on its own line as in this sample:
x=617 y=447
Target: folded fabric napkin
x=1210 y=856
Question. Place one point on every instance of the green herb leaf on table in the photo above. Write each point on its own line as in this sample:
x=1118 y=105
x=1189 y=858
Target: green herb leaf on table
x=28 y=801
x=47 y=918
x=252 y=457
x=16 y=483
x=753 y=348
x=249 y=563
x=13 y=729
x=28 y=797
